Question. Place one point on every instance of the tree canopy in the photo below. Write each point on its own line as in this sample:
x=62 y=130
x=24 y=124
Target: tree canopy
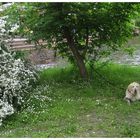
x=81 y=31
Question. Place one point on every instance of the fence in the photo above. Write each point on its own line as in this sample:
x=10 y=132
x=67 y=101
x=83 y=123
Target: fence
x=41 y=56
x=23 y=44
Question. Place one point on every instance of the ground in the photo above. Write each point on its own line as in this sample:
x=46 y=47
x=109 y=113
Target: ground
x=75 y=108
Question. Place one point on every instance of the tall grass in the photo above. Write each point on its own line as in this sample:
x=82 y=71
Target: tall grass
x=79 y=108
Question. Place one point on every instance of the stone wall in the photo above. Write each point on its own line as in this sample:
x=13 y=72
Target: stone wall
x=43 y=56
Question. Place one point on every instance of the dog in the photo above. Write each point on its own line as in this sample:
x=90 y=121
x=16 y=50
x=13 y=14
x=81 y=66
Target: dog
x=132 y=92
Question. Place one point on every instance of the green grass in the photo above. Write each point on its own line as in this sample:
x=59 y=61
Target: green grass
x=78 y=108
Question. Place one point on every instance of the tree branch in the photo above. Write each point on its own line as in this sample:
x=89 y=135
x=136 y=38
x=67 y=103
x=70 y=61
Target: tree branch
x=86 y=42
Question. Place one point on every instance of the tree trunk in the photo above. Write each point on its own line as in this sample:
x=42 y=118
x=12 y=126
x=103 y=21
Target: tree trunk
x=77 y=56
x=70 y=41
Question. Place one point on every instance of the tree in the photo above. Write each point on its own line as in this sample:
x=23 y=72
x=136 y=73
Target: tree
x=81 y=31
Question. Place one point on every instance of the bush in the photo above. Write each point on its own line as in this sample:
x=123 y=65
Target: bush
x=15 y=81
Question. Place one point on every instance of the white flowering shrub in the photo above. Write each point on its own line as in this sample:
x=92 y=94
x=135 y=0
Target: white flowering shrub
x=15 y=81
x=39 y=99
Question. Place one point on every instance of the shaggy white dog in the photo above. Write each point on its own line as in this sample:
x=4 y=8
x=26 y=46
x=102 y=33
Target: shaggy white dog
x=132 y=92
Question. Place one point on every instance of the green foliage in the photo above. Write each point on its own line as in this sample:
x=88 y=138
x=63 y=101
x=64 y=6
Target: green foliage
x=20 y=54
x=130 y=50
x=96 y=28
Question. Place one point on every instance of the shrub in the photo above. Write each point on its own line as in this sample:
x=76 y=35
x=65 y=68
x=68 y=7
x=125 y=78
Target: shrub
x=15 y=81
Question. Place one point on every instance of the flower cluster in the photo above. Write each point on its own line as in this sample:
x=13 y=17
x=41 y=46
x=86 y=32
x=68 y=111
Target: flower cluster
x=15 y=81
x=39 y=100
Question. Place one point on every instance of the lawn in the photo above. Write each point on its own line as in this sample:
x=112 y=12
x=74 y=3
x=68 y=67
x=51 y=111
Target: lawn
x=70 y=107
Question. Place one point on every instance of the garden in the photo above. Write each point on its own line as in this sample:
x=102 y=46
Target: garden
x=85 y=96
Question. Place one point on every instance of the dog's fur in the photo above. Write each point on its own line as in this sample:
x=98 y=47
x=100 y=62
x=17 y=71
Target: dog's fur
x=132 y=92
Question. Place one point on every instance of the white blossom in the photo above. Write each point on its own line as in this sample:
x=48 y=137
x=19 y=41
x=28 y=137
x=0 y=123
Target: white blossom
x=15 y=78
